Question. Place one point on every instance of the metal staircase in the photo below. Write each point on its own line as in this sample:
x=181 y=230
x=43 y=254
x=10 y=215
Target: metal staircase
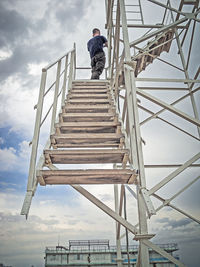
x=88 y=132
x=98 y=123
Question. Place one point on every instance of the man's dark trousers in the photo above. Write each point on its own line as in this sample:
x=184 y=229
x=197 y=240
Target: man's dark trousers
x=97 y=64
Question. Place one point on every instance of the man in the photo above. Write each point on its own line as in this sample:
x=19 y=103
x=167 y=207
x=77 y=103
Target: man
x=97 y=55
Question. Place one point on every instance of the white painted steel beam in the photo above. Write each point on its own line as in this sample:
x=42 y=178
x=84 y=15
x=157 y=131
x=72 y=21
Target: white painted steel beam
x=173 y=103
x=167 y=202
x=53 y=63
x=169 y=107
x=135 y=135
x=27 y=203
x=185 y=67
x=148 y=203
x=167 y=80
x=105 y=208
x=149 y=26
x=120 y=209
x=118 y=241
x=55 y=101
x=174 y=174
x=161 y=30
x=169 y=123
x=162 y=252
x=36 y=132
x=188 y=15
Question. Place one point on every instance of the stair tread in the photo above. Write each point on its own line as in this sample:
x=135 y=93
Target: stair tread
x=86 y=140
x=89 y=91
x=86 y=151
x=88 y=114
x=102 y=106
x=87 y=145
x=87 y=106
x=88 y=124
x=92 y=116
x=90 y=96
x=90 y=82
x=85 y=156
x=87 y=100
x=89 y=127
x=97 y=176
x=88 y=135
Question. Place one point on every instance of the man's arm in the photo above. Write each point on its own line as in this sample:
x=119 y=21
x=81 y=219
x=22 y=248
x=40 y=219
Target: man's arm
x=105 y=44
x=105 y=41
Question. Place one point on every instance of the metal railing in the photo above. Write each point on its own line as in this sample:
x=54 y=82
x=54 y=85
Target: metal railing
x=132 y=248
x=66 y=76
x=126 y=88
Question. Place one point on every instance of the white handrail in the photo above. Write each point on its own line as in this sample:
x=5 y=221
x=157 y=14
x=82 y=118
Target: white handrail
x=53 y=63
x=67 y=79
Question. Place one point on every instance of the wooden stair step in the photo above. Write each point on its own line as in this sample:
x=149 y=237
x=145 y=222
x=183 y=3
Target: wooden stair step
x=90 y=87
x=88 y=124
x=89 y=91
x=87 y=116
x=102 y=129
x=88 y=127
x=88 y=109
x=91 y=108
x=87 y=145
x=96 y=96
x=90 y=83
x=145 y=59
x=86 y=156
x=95 y=84
x=87 y=140
x=89 y=101
x=88 y=106
x=100 y=176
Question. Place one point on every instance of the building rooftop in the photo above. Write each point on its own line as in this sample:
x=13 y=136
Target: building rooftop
x=100 y=246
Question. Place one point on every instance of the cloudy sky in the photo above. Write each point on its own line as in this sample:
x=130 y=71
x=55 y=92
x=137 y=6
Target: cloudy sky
x=32 y=34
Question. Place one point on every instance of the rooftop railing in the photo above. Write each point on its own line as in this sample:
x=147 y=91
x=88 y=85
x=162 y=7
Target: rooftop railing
x=132 y=248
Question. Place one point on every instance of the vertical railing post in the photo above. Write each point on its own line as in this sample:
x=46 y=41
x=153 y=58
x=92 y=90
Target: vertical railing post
x=64 y=81
x=55 y=101
x=110 y=37
x=32 y=179
x=70 y=72
x=135 y=140
x=74 y=62
x=115 y=51
x=117 y=34
x=36 y=131
x=118 y=240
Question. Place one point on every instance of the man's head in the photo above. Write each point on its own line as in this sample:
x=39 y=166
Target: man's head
x=95 y=32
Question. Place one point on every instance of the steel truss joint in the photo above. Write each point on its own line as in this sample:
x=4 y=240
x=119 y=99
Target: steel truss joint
x=148 y=203
x=143 y=236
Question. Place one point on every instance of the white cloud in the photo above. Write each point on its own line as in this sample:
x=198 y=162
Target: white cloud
x=1 y=140
x=36 y=69
x=47 y=222
x=18 y=96
x=17 y=106
x=5 y=54
x=8 y=158
x=11 y=160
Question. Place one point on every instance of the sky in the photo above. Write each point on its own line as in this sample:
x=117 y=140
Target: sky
x=34 y=33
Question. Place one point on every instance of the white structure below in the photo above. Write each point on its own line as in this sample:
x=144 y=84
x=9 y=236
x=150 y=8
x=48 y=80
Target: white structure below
x=100 y=253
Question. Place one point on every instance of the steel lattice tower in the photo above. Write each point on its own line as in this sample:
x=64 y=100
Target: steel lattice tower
x=146 y=63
